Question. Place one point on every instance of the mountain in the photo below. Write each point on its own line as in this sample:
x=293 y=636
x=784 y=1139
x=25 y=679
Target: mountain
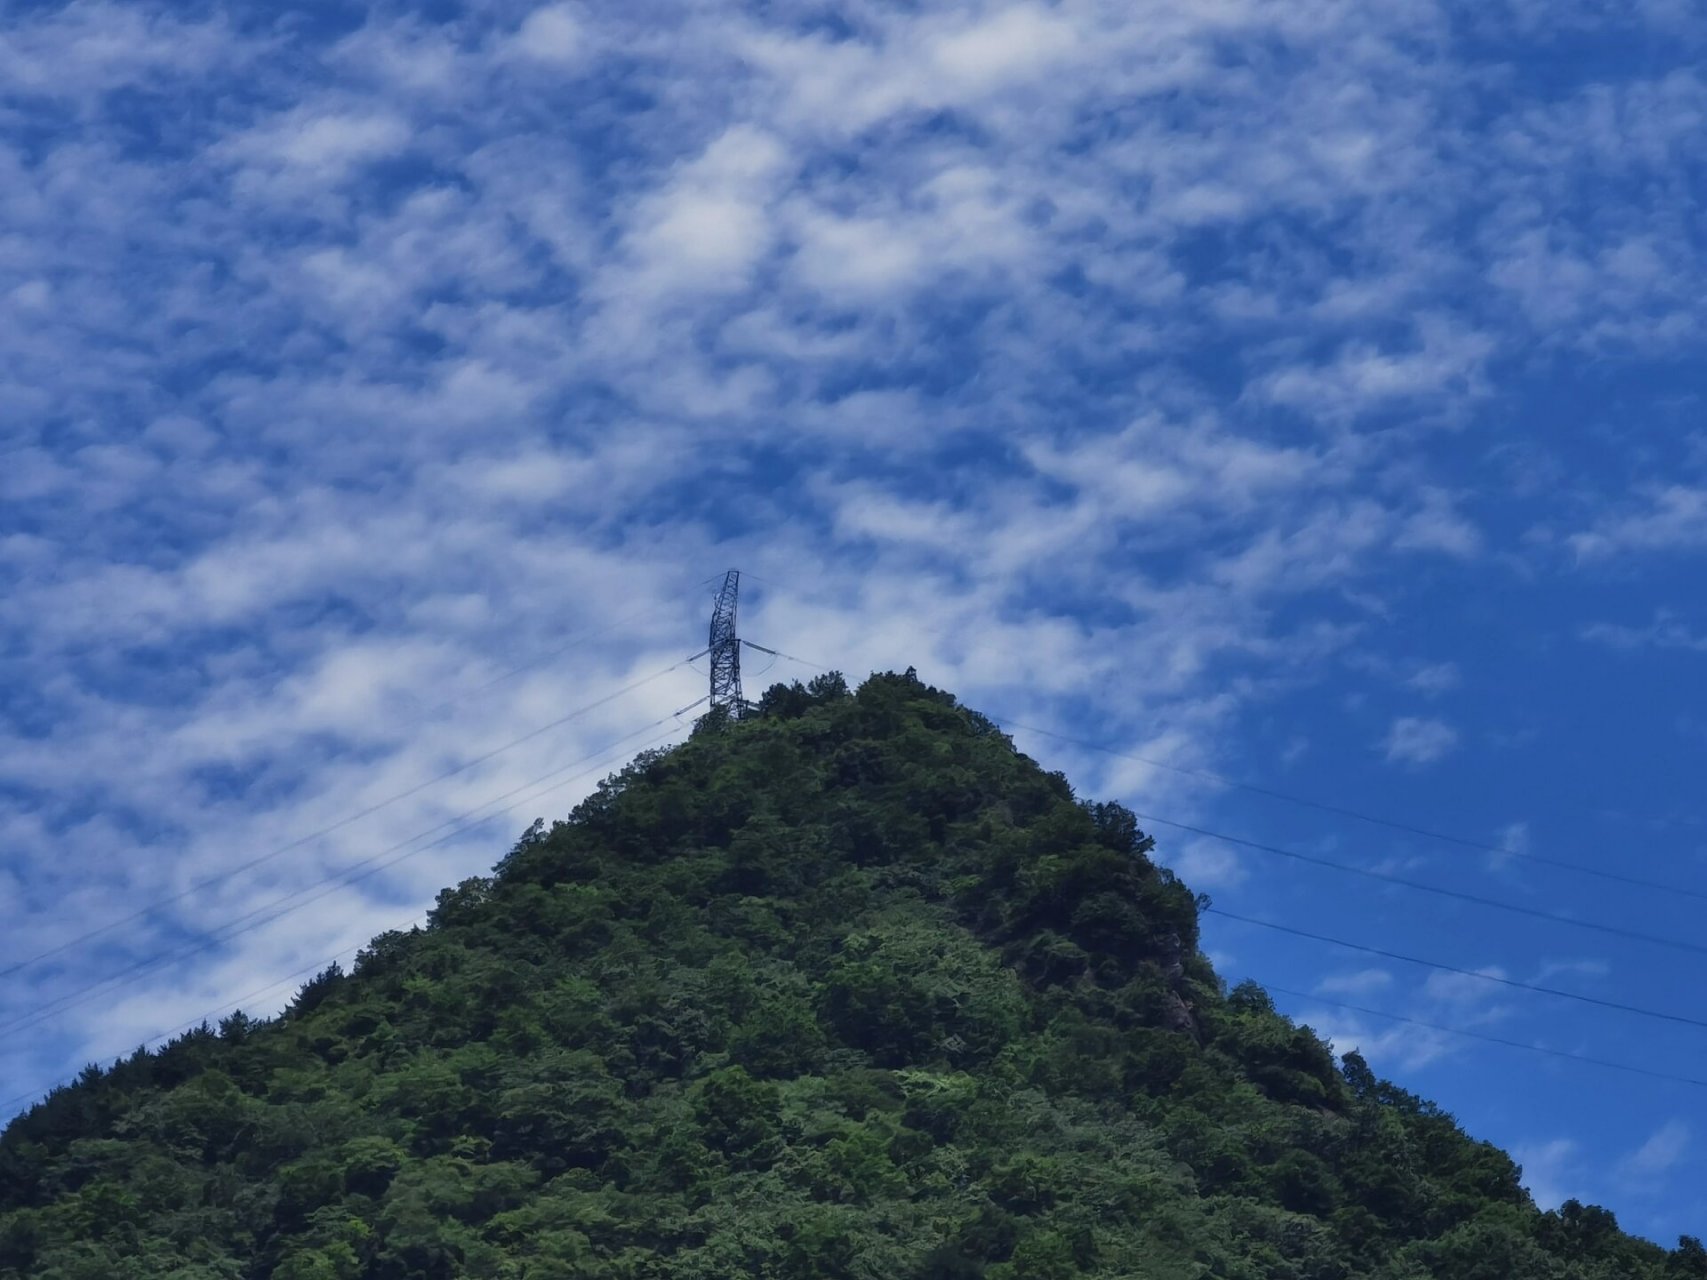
x=848 y=988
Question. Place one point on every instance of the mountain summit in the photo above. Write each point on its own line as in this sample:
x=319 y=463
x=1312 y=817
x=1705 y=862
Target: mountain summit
x=848 y=988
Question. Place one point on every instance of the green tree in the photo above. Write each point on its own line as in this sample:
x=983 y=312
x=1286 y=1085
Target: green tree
x=845 y=987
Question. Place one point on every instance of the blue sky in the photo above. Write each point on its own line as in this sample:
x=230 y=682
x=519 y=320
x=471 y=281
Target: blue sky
x=1304 y=392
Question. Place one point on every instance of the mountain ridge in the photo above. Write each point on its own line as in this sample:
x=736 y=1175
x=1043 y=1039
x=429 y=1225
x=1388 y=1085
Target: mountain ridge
x=846 y=988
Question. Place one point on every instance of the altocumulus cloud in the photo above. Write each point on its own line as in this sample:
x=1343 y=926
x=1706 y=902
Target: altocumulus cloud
x=1114 y=363
x=1419 y=740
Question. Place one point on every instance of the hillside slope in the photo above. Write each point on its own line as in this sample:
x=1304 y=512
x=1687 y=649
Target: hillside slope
x=849 y=989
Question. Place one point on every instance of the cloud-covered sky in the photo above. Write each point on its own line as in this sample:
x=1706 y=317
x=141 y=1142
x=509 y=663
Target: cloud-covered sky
x=1306 y=393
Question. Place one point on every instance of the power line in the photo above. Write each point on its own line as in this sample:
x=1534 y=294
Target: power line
x=1638 y=1010
x=338 y=880
x=1427 y=833
x=1534 y=913
x=317 y=967
x=788 y=657
x=1321 y=806
x=369 y=811
x=575 y=641
x=342 y=878
x=1560 y=864
x=223 y=935
x=1489 y=1039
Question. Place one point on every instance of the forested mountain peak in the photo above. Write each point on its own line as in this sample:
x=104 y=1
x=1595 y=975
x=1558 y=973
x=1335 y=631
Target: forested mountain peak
x=847 y=988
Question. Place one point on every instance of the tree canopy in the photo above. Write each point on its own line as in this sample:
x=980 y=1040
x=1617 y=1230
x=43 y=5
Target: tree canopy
x=848 y=988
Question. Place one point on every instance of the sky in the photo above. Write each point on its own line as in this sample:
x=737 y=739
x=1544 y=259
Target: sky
x=1299 y=392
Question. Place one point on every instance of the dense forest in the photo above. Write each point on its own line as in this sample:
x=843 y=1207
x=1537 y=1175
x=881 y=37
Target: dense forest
x=846 y=988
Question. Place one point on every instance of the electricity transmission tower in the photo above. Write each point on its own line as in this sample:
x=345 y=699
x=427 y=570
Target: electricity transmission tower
x=725 y=649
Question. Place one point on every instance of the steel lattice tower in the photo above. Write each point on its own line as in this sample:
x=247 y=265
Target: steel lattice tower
x=725 y=649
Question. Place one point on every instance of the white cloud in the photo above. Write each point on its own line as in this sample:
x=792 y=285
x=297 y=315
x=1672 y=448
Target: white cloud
x=1418 y=740
x=551 y=34
x=1015 y=43
x=1514 y=841
x=1155 y=467
x=1435 y=678
x=1362 y=982
x=859 y=258
x=84 y=50
x=1463 y=989
x=337 y=141
x=1589 y=968
x=324 y=142
x=1438 y=526
x=1055 y=349
x=708 y=227
x=1442 y=358
x=1551 y=1170
x=1669 y=518
x=1208 y=864
x=1664 y=632
x=1391 y=1047
x=403 y=58
x=939 y=60
x=1664 y=1150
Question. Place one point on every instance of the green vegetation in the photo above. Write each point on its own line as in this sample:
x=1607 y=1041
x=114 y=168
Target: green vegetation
x=848 y=989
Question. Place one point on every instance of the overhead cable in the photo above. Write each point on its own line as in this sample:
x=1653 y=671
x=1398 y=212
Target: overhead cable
x=1483 y=846
x=1490 y=1039
x=338 y=880
x=1481 y=900
x=1477 y=974
x=1616 y=877
x=318 y=966
x=231 y=872
x=575 y=641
